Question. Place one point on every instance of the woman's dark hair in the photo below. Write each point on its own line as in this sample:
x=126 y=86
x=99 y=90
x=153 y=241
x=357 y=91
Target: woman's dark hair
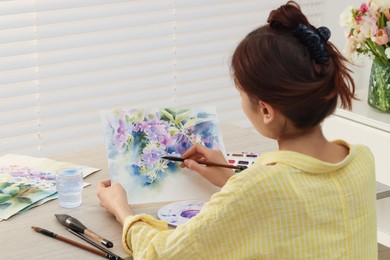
x=273 y=65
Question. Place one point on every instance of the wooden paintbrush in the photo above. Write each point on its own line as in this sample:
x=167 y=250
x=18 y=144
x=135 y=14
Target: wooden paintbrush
x=179 y=159
x=71 y=242
x=76 y=225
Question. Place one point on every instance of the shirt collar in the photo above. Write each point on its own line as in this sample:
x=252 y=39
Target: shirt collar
x=306 y=163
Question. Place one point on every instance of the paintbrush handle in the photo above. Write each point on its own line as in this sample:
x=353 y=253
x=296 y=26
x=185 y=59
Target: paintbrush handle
x=82 y=246
x=179 y=159
x=224 y=165
x=69 y=241
x=98 y=238
x=110 y=255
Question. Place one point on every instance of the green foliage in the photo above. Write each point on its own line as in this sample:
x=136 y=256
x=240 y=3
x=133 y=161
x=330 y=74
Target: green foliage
x=4 y=197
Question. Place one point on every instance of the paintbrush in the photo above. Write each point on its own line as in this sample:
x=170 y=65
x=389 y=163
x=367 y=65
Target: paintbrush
x=77 y=226
x=179 y=159
x=71 y=242
x=108 y=252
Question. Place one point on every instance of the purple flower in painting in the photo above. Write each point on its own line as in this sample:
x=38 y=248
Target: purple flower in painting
x=28 y=176
x=151 y=156
x=122 y=134
x=158 y=131
x=140 y=126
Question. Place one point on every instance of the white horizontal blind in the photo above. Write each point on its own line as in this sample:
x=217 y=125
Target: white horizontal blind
x=207 y=33
x=61 y=61
x=18 y=89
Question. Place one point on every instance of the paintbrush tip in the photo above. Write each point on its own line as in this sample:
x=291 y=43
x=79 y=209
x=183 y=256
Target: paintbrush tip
x=62 y=218
x=36 y=228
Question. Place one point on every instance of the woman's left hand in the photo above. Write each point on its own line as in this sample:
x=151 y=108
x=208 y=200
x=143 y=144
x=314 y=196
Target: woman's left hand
x=114 y=199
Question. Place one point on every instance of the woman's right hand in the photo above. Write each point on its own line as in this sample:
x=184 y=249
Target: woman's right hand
x=198 y=154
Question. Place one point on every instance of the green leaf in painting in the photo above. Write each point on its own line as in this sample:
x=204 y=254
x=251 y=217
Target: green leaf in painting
x=23 y=200
x=5 y=205
x=180 y=117
x=190 y=123
x=3 y=185
x=167 y=114
x=12 y=189
x=171 y=111
x=173 y=131
x=4 y=197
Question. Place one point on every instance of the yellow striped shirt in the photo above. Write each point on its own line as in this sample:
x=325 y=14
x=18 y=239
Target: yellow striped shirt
x=285 y=206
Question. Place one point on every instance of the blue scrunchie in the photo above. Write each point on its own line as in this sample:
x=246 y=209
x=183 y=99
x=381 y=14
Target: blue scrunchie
x=315 y=41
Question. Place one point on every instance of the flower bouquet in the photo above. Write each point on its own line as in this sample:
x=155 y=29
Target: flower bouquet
x=368 y=30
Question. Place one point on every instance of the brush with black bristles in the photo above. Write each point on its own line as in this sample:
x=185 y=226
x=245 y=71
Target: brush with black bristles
x=77 y=226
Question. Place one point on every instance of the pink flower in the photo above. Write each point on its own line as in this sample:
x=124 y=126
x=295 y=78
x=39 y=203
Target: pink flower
x=364 y=8
x=381 y=37
x=358 y=18
x=368 y=27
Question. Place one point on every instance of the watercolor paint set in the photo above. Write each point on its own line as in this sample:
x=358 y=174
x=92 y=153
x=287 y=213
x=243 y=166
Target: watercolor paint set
x=241 y=159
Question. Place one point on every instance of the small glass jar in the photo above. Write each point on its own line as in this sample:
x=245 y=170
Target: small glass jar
x=69 y=183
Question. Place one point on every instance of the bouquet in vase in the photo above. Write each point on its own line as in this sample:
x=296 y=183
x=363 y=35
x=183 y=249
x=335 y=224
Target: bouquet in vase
x=368 y=30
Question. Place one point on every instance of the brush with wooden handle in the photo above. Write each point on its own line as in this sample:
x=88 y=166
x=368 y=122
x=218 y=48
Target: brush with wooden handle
x=77 y=226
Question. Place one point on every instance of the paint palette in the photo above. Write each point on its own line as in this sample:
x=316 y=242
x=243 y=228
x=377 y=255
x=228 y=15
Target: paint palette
x=180 y=212
x=241 y=159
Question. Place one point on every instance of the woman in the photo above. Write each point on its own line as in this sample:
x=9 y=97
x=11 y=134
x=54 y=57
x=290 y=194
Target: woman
x=312 y=199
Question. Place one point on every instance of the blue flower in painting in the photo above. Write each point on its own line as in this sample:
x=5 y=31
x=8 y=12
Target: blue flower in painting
x=206 y=130
x=204 y=115
x=182 y=144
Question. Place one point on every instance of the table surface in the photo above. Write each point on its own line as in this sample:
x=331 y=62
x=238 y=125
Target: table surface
x=19 y=241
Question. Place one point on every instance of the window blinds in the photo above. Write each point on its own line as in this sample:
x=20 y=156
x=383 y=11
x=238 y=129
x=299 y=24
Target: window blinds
x=61 y=61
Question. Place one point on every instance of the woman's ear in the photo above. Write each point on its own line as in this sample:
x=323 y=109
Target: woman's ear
x=267 y=112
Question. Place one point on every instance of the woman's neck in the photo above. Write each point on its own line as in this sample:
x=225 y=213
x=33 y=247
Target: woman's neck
x=314 y=144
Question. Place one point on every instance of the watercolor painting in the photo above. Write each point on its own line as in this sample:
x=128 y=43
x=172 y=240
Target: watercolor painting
x=26 y=182
x=136 y=139
x=22 y=186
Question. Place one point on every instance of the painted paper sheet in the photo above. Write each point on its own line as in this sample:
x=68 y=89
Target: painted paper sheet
x=136 y=139
x=27 y=181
